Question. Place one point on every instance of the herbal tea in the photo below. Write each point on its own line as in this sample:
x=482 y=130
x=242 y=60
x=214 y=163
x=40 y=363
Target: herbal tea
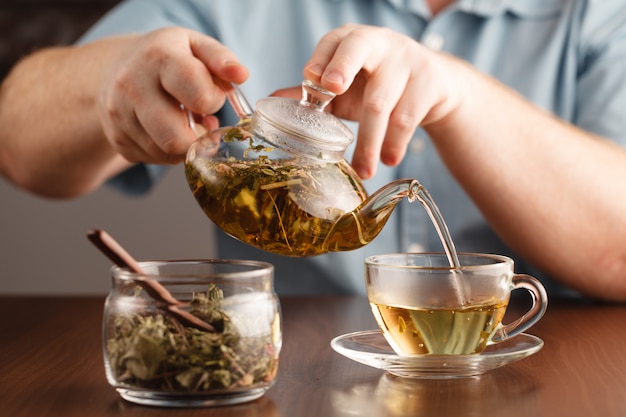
x=451 y=331
x=280 y=208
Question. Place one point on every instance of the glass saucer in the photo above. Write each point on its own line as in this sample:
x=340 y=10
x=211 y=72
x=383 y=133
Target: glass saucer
x=370 y=348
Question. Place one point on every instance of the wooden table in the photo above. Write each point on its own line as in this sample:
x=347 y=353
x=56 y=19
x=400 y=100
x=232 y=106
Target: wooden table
x=51 y=365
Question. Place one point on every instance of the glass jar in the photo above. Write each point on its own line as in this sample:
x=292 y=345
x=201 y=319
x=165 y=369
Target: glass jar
x=154 y=355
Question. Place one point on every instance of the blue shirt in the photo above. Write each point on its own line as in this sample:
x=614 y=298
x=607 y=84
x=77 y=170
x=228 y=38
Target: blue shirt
x=566 y=56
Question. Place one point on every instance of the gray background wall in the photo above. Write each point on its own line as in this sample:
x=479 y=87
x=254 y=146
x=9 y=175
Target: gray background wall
x=43 y=244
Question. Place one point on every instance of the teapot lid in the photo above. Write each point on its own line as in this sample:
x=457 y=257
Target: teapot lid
x=305 y=120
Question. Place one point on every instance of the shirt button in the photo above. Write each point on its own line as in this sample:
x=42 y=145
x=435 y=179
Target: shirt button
x=434 y=41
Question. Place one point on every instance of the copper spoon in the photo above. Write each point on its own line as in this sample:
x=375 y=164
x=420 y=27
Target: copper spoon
x=120 y=257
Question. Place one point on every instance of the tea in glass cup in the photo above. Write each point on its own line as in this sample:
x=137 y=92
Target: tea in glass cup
x=425 y=306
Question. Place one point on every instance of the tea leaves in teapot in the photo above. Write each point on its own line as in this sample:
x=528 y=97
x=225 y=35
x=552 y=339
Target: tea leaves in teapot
x=278 y=207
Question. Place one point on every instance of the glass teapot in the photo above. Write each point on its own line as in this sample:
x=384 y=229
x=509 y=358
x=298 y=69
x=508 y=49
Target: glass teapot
x=278 y=179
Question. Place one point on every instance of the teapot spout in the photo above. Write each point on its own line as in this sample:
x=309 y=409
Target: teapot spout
x=360 y=226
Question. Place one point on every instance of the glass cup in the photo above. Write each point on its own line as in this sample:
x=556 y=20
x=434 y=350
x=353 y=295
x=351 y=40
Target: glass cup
x=214 y=340
x=423 y=306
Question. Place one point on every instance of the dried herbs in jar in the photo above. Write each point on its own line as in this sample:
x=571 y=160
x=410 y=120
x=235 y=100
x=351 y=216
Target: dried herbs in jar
x=153 y=351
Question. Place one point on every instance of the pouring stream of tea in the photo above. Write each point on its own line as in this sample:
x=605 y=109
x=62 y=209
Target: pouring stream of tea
x=120 y=257
x=423 y=196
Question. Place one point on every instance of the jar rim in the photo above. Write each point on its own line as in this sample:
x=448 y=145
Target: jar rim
x=194 y=269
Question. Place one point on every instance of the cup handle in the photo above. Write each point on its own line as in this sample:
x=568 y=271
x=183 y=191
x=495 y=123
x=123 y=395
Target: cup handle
x=536 y=311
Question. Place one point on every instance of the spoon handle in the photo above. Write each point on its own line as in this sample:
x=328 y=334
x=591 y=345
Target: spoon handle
x=120 y=257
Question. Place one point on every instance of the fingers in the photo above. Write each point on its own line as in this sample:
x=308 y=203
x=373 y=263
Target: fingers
x=373 y=67
x=339 y=57
x=402 y=123
x=387 y=82
x=386 y=126
x=155 y=134
x=197 y=72
x=140 y=106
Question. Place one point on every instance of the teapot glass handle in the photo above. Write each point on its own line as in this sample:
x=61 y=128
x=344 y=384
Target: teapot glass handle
x=237 y=100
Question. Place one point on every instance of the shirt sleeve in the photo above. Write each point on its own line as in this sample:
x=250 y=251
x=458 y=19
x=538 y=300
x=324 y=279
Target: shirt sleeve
x=141 y=16
x=138 y=179
x=601 y=95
